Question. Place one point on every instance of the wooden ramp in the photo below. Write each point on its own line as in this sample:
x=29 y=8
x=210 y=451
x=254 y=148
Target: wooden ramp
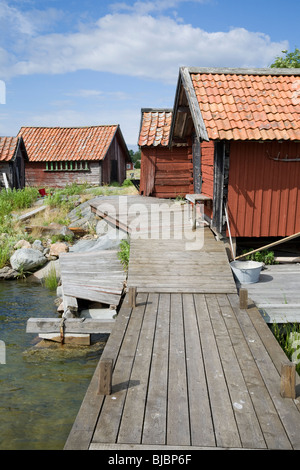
x=191 y=371
x=95 y=276
x=165 y=252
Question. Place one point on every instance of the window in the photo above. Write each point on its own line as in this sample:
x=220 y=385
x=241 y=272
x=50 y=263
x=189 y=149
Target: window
x=67 y=166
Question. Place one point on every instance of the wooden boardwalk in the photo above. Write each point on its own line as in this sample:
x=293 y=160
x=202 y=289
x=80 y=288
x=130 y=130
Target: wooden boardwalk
x=191 y=370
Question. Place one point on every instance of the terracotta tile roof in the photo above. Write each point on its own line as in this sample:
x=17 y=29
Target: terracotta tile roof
x=249 y=106
x=67 y=143
x=7 y=148
x=155 y=127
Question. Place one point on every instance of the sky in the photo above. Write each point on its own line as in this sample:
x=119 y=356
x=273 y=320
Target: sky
x=98 y=62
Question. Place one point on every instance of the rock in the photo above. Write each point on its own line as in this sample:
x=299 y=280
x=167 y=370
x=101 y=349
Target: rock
x=57 y=248
x=27 y=259
x=22 y=244
x=103 y=227
x=42 y=273
x=82 y=216
x=8 y=273
x=110 y=241
x=37 y=245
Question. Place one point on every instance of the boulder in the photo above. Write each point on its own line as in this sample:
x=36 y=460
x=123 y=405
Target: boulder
x=37 y=245
x=57 y=248
x=27 y=259
x=8 y=273
x=22 y=244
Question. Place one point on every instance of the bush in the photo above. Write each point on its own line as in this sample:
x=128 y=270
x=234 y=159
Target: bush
x=264 y=256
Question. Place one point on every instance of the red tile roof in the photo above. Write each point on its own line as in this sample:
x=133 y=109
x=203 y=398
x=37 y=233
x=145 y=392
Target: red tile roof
x=67 y=143
x=249 y=106
x=7 y=148
x=155 y=127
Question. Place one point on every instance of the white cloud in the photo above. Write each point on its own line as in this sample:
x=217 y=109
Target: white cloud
x=144 y=46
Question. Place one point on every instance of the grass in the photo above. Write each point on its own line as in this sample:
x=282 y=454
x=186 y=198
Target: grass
x=50 y=280
x=123 y=254
x=288 y=336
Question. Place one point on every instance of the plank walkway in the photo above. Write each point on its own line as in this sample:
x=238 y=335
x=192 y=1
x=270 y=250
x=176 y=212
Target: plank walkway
x=191 y=370
x=277 y=293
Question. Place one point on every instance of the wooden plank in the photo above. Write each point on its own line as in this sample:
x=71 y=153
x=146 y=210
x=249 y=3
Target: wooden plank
x=286 y=409
x=71 y=325
x=178 y=432
x=155 y=421
x=226 y=432
x=273 y=431
x=202 y=429
x=131 y=425
x=109 y=421
x=241 y=400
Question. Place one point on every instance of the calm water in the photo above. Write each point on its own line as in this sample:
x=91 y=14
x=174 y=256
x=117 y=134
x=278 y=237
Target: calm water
x=41 y=388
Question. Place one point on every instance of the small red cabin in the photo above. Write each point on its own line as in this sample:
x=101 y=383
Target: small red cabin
x=63 y=155
x=165 y=172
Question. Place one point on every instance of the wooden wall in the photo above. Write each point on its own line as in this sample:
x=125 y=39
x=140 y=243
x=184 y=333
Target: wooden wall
x=166 y=173
x=115 y=154
x=36 y=175
x=263 y=194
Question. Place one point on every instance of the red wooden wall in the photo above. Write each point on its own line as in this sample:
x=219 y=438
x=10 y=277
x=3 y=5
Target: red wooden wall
x=166 y=173
x=263 y=194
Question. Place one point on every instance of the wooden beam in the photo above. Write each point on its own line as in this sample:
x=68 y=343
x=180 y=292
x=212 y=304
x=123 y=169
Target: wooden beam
x=71 y=325
x=219 y=163
x=288 y=380
x=105 y=376
x=243 y=298
x=196 y=149
x=132 y=297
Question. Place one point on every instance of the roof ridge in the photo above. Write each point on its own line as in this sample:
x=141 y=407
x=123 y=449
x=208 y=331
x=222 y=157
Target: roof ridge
x=244 y=71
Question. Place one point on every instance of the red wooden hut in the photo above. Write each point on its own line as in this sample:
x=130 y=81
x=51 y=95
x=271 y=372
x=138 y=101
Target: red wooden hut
x=245 y=129
x=166 y=172
x=62 y=155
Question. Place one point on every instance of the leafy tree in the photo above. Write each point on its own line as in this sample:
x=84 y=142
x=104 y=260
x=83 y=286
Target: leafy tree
x=290 y=60
x=135 y=158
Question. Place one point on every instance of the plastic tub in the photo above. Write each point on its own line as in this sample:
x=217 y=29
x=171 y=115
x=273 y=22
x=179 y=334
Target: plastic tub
x=247 y=272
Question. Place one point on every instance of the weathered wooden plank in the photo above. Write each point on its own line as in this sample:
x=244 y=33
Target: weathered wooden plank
x=178 y=432
x=248 y=424
x=202 y=429
x=109 y=421
x=155 y=421
x=71 y=325
x=131 y=425
x=286 y=409
x=226 y=431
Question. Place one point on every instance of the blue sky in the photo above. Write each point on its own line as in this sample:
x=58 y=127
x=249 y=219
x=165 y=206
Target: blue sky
x=92 y=62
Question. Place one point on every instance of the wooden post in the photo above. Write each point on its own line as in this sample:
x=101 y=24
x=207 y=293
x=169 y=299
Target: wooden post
x=105 y=376
x=288 y=380
x=132 y=296
x=243 y=298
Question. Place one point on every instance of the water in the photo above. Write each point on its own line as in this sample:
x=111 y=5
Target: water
x=41 y=388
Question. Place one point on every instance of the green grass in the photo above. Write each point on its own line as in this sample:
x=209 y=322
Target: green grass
x=283 y=333
x=123 y=254
x=50 y=279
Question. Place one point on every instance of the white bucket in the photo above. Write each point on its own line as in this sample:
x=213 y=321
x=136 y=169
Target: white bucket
x=247 y=272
